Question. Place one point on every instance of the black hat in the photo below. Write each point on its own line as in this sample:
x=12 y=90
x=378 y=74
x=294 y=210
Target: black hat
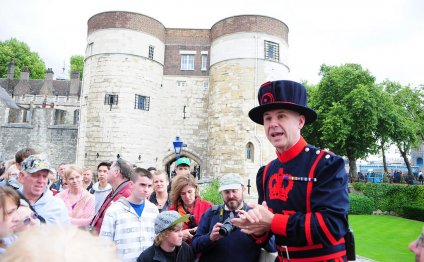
x=282 y=94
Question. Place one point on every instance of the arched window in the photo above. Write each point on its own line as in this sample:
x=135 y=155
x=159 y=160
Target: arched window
x=419 y=161
x=250 y=152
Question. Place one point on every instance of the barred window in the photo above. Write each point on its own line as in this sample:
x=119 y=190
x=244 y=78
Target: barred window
x=181 y=83
x=142 y=102
x=272 y=51
x=151 y=51
x=111 y=99
x=187 y=62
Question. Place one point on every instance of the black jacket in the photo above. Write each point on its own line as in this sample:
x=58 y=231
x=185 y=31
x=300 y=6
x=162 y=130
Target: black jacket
x=155 y=253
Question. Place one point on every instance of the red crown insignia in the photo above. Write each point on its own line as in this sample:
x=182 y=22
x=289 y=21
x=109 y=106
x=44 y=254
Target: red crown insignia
x=277 y=188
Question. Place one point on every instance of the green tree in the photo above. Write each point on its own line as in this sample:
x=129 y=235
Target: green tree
x=23 y=57
x=346 y=101
x=77 y=64
x=409 y=105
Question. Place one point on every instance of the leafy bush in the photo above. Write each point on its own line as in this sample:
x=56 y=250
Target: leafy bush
x=392 y=197
x=360 y=205
x=210 y=192
x=414 y=212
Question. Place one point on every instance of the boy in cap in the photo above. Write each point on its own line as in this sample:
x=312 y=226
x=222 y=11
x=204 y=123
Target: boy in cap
x=182 y=166
x=168 y=245
x=303 y=197
x=34 y=179
x=216 y=238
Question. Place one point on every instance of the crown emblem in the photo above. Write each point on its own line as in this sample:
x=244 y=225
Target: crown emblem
x=279 y=186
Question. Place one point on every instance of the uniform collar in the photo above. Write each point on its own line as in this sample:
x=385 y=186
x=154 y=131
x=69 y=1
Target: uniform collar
x=292 y=152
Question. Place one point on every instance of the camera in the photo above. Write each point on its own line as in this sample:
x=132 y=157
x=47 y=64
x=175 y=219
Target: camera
x=191 y=222
x=227 y=227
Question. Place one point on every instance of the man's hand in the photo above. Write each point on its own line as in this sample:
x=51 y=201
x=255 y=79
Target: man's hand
x=256 y=221
x=215 y=236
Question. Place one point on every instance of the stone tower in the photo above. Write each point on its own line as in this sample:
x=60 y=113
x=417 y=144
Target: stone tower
x=123 y=68
x=246 y=51
x=144 y=84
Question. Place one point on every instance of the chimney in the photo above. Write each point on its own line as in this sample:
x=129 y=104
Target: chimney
x=25 y=74
x=11 y=70
x=75 y=84
x=49 y=74
x=23 y=87
x=47 y=88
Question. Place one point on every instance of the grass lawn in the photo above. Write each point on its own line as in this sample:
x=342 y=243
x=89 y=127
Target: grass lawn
x=384 y=238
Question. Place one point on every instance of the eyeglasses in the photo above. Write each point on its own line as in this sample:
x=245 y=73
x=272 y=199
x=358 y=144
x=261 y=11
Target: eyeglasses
x=27 y=220
x=419 y=242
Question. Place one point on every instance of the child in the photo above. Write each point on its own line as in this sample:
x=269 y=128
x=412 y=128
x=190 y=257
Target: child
x=169 y=245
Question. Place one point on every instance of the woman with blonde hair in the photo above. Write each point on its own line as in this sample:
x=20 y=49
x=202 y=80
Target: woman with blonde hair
x=78 y=200
x=160 y=196
x=185 y=199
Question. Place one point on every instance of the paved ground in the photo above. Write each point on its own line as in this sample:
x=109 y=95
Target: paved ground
x=363 y=259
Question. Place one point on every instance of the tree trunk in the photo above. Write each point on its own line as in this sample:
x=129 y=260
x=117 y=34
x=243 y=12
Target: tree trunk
x=386 y=170
x=406 y=160
x=353 y=173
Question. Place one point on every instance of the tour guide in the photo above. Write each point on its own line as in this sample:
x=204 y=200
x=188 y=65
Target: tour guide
x=303 y=197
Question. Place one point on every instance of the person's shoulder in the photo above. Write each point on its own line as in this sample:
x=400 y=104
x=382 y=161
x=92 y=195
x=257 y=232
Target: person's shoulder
x=327 y=155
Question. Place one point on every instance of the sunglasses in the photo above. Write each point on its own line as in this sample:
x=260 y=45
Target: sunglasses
x=27 y=220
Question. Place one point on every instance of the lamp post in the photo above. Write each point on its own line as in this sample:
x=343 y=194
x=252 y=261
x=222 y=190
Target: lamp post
x=178 y=144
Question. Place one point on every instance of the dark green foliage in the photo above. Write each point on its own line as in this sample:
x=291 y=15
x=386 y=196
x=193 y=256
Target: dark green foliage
x=360 y=205
x=211 y=193
x=414 y=212
x=392 y=197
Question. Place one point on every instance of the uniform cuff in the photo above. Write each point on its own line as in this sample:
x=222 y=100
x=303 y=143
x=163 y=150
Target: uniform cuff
x=279 y=224
x=260 y=239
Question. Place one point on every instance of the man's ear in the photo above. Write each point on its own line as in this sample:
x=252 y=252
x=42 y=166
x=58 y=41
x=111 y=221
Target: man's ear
x=301 y=122
x=21 y=177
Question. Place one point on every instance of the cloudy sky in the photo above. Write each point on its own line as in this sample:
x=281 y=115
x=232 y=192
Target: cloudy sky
x=386 y=37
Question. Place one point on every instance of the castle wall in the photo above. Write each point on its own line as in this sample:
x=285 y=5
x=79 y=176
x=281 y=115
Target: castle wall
x=57 y=142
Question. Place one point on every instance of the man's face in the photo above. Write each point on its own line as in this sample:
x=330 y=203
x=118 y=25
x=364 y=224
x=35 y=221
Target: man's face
x=102 y=173
x=141 y=187
x=282 y=128
x=61 y=170
x=34 y=184
x=182 y=169
x=87 y=176
x=233 y=198
x=112 y=173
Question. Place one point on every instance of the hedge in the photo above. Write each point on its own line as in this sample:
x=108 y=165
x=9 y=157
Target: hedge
x=360 y=205
x=392 y=197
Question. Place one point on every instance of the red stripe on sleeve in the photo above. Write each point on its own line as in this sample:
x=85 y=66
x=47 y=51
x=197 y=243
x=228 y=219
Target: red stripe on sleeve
x=327 y=232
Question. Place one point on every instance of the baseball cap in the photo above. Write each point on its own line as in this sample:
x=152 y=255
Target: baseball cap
x=167 y=219
x=35 y=163
x=230 y=181
x=183 y=161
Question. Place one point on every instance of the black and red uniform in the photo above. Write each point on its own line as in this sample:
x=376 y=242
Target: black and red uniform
x=306 y=189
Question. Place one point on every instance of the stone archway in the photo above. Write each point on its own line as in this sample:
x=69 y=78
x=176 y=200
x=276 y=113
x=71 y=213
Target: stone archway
x=171 y=158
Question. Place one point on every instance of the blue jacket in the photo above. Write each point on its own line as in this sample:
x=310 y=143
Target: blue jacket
x=237 y=246
x=307 y=190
